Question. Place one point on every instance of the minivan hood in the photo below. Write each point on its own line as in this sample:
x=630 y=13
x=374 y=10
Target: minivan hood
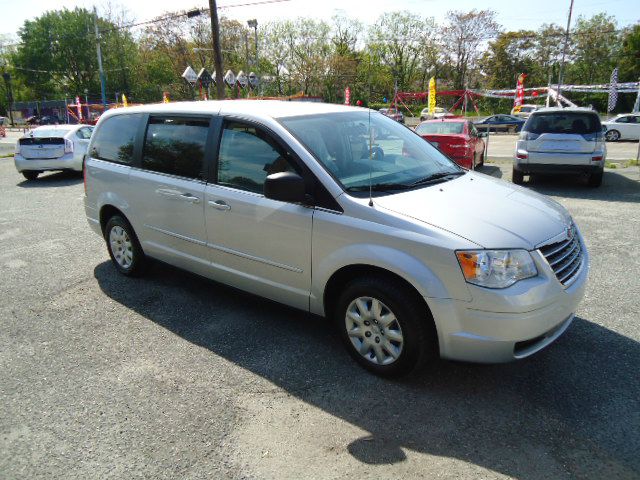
x=484 y=210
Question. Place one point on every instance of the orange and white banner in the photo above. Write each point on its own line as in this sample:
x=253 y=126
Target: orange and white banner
x=519 y=100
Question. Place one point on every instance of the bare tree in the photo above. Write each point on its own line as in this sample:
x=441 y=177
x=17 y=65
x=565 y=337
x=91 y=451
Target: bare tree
x=463 y=35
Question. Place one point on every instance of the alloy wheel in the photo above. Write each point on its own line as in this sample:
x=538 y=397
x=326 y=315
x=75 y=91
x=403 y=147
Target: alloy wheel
x=121 y=246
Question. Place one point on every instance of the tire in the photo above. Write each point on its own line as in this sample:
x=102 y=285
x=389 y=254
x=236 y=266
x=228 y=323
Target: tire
x=517 y=177
x=612 y=135
x=30 y=174
x=404 y=344
x=595 y=179
x=128 y=257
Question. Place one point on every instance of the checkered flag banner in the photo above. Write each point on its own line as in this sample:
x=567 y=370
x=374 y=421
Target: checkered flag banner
x=613 y=90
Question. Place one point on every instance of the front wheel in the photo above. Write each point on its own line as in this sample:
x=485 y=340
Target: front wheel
x=385 y=327
x=124 y=249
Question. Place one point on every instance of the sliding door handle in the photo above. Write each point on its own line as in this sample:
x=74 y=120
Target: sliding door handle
x=219 y=205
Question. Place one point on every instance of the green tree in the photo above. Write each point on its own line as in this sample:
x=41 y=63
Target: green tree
x=595 y=45
x=509 y=55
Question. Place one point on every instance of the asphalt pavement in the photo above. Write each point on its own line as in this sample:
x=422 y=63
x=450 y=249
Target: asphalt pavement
x=174 y=376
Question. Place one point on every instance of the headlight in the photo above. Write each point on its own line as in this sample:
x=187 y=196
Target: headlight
x=496 y=268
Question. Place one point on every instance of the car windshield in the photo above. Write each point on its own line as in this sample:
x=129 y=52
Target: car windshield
x=563 y=122
x=445 y=128
x=48 y=132
x=528 y=109
x=360 y=149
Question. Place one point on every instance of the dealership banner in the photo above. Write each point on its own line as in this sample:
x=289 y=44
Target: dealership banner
x=432 y=96
x=347 y=96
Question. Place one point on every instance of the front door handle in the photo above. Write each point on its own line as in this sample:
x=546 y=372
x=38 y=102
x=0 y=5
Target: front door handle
x=219 y=205
x=190 y=198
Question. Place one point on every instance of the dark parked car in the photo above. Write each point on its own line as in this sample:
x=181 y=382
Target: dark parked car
x=500 y=123
x=43 y=120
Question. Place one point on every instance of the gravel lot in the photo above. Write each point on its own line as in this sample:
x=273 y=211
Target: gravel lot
x=173 y=376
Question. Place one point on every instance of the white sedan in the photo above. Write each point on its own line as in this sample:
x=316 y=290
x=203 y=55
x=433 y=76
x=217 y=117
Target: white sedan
x=623 y=127
x=52 y=147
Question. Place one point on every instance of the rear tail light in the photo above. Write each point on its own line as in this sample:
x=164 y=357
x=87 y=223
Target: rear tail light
x=597 y=158
x=522 y=155
x=68 y=146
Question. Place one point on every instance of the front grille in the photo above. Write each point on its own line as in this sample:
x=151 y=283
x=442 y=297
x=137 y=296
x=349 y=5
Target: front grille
x=565 y=256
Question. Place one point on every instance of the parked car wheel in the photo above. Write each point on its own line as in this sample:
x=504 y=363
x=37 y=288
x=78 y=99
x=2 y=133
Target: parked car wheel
x=517 y=177
x=595 y=179
x=30 y=174
x=385 y=327
x=124 y=249
x=612 y=135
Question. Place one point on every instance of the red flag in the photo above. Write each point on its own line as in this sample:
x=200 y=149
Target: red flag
x=519 y=100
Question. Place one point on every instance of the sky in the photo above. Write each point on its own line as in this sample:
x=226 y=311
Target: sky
x=511 y=14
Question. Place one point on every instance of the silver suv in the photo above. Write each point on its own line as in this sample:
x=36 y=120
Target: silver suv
x=561 y=140
x=342 y=212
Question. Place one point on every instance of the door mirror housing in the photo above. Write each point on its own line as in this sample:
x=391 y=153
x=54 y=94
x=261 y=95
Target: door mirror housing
x=286 y=187
x=483 y=134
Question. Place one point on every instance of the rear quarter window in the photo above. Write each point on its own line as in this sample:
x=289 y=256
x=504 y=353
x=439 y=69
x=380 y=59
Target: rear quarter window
x=563 y=122
x=114 y=139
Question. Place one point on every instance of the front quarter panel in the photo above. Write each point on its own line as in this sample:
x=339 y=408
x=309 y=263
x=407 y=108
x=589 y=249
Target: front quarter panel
x=424 y=256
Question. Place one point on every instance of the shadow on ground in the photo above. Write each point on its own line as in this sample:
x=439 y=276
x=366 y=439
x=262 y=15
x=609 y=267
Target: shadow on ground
x=570 y=411
x=55 y=179
x=492 y=170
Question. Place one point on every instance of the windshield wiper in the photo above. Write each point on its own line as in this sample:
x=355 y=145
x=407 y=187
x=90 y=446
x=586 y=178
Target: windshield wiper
x=441 y=176
x=379 y=187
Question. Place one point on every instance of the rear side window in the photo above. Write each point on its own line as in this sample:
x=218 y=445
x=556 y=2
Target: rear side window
x=563 y=122
x=176 y=146
x=247 y=155
x=114 y=139
x=440 y=128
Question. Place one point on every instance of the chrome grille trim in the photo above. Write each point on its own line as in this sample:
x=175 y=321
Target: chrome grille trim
x=565 y=257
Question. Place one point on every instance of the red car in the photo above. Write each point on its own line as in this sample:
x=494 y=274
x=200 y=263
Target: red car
x=455 y=137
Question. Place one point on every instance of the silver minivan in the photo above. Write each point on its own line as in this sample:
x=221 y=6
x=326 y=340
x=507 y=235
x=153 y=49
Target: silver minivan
x=561 y=141
x=342 y=212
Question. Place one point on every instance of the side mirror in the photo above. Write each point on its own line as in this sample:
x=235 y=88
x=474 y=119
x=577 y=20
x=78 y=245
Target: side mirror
x=285 y=186
x=483 y=134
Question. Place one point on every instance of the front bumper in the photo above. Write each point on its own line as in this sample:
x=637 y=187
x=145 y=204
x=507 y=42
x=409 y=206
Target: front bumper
x=512 y=323
x=68 y=161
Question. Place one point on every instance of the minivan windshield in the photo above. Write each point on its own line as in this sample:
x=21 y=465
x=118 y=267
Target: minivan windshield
x=361 y=148
x=563 y=122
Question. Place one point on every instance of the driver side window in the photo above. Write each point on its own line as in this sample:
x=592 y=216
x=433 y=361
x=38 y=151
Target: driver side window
x=248 y=154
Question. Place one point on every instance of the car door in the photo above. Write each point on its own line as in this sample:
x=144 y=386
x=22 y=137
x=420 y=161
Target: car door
x=477 y=142
x=633 y=128
x=623 y=126
x=256 y=243
x=167 y=190
x=81 y=141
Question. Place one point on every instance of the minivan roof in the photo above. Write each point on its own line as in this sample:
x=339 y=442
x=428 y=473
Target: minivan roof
x=261 y=108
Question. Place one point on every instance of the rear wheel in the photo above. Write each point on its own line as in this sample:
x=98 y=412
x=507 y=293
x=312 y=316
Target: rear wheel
x=595 y=179
x=612 y=135
x=517 y=177
x=385 y=327
x=124 y=248
x=30 y=174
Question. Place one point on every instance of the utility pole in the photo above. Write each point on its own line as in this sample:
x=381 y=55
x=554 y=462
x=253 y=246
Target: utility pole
x=564 y=51
x=217 y=51
x=7 y=80
x=99 y=53
x=254 y=24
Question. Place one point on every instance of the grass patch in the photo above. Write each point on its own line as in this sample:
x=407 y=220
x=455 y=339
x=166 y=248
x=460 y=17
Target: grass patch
x=632 y=163
x=6 y=155
x=610 y=165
